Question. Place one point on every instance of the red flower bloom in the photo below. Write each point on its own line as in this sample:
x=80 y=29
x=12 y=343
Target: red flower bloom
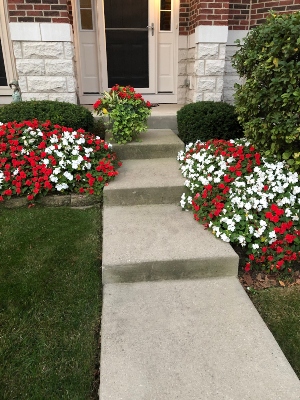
x=289 y=238
x=97 y=104
x=247 y=267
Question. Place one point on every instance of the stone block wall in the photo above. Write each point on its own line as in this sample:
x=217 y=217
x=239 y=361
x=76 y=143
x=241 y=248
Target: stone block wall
x=209 y=71
x=44 y=55
x=230 y=75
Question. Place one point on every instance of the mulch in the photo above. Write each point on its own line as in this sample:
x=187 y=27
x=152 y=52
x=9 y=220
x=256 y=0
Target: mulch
x=260 y=280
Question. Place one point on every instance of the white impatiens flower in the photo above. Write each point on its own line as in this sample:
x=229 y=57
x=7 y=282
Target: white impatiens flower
x=61 y=186
x=255 y=246
x=57 y=170
x=242 y=240
x=225 y=238
x=1 y=178
x=237 y=217
x=68 y=175
x=53 y=178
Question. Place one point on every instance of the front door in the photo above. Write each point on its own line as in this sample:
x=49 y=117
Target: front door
x=136 y=42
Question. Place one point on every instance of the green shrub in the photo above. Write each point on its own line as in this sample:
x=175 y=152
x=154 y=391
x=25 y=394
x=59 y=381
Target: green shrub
x=61 y=113
x=99 y=128
x=268 y=103
x=207 y=120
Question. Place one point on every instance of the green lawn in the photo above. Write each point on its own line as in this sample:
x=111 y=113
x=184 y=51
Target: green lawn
x=280 y=309
x=50 y=302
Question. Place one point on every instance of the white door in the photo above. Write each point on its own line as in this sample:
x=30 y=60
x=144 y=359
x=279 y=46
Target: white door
x=135 y=44
x=89 y=66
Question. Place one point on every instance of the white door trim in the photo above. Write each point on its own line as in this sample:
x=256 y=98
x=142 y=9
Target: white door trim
x=7 y=52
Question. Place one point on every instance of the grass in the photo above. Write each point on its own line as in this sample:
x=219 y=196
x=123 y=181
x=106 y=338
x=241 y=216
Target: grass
x=280 y=309
x=50 y=302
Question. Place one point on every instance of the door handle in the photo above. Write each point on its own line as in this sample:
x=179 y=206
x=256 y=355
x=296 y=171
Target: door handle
x=152 y=28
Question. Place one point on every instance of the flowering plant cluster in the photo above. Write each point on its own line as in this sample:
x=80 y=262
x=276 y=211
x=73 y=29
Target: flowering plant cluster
x=127 y=111
x=36 y=159
x=244 y=199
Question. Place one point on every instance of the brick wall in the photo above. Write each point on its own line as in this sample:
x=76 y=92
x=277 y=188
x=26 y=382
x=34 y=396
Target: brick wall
x=193 y=13
x=40 y=11
x=184 y=17
x=239 y=14
x=260 y=9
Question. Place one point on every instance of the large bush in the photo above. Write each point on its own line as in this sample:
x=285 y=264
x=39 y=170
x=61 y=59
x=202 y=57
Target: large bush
x=268 y=103
x=207 y=120
x=60 y=113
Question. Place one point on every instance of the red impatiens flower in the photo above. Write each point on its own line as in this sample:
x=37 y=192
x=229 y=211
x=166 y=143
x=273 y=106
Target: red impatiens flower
x=247 y=267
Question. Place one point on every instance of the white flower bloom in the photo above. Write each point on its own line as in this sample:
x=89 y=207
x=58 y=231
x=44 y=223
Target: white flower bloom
x=237 y=217
x=68 y=175
x=61 y=186
x=248 y=206
x=225 y=238
x=242 y=240
x=57 y=170
x=53 y=178
x=53 y=139
x=255 y=246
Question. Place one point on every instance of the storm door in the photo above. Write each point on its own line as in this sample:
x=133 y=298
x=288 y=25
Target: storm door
x=130 y=44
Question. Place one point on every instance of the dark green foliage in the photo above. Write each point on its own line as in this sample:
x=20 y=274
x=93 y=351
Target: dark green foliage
x=99 y=128
x=61 y=113
x=207 y=120
x=268 y=102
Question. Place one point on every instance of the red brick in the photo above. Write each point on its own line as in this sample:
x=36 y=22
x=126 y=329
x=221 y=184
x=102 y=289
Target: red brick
x=61 y=20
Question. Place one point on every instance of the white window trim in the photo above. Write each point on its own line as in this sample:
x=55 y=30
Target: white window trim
x=6 y=49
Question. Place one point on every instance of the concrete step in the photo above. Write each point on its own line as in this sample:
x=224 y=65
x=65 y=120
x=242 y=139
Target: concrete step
x=189 y=340
x=149 y=181
x=154 y=143
x=163 y=122
x=160 y=241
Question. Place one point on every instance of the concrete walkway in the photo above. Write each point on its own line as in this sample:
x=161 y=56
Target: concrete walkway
x=176 y=323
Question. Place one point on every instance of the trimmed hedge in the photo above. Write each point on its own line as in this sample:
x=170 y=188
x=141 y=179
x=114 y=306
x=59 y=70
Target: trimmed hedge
x=208 y=120
x=60 y=113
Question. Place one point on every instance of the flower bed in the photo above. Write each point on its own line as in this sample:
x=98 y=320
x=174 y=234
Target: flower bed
x=244 y=199
x=38 y=158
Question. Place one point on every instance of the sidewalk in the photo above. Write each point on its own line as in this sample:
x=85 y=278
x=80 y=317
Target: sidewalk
x=176 y=323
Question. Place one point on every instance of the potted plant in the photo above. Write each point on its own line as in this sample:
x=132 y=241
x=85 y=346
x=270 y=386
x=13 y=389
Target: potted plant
x=127 y=111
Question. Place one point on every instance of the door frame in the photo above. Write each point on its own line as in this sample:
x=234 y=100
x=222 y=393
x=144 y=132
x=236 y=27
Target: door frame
x=7 y=51
x=101 y=53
